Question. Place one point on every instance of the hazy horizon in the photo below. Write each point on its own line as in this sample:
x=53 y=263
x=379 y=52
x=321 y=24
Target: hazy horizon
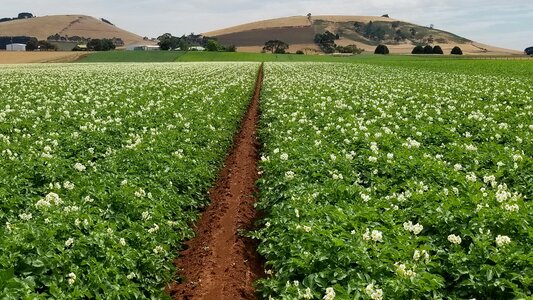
x=490 y=22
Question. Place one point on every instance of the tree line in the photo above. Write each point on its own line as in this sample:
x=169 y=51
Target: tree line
x=169 y=42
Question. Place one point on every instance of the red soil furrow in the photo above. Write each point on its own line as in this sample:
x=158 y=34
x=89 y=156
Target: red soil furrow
x=219 y=263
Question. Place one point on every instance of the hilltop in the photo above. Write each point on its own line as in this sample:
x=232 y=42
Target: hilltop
x=67 y=25
x=364 y=31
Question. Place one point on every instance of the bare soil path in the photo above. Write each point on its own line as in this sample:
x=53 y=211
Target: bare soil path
x=219 y=263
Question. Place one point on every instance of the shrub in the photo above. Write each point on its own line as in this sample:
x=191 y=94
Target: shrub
x=529 y=51
x=428 y=49
x=418 y=50
x=381 y=49
x=437 y=50
x=299 y=52
x=231 y=48
x=457 y=51
x=350 y=49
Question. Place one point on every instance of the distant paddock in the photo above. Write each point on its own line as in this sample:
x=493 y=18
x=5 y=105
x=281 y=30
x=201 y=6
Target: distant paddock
x=8 y=57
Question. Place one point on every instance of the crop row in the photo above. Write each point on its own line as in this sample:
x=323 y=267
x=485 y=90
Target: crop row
x=104 y=167
x=383 y=182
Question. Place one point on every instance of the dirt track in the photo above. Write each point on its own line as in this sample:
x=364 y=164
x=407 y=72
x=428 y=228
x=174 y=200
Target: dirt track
x=219 y=263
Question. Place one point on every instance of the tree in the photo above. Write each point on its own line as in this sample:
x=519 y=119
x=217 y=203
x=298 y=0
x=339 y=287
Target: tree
x=381 y=49
x=32 y=45
x=437 y=50
x=276 y=46
x=183 y=44
x=46 y=46
x=25 y=15
x=457 y=51
x=529 y=51
x=418 y=50
x=168 y=42
x=428 y=49
x=299 y=52
x=213 y=45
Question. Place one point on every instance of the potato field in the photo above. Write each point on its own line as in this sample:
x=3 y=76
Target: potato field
x=376 y=182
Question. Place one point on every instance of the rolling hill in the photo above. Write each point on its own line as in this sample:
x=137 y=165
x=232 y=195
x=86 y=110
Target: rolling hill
x=364 y=31
x=67 y=25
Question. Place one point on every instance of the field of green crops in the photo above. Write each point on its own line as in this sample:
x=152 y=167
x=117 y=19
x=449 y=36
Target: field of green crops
x=400 y=178
x=395 y=183
x=104 y=167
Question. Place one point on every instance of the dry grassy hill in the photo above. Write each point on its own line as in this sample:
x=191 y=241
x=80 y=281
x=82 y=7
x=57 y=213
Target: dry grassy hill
x=66 y=25
x=299 y=33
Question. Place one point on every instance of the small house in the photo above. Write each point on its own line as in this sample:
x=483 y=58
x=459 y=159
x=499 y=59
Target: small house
x=16 y=47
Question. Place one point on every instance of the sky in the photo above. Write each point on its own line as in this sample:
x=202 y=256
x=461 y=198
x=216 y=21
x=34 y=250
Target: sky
x=507 y=24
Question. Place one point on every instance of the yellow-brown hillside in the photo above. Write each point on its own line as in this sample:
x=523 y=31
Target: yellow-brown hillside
x=67 y=25
x=299 y=33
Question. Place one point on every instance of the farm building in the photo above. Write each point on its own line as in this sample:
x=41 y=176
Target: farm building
x=197 y=48
x=64 y=45
x=16 y=47
x=142 y=47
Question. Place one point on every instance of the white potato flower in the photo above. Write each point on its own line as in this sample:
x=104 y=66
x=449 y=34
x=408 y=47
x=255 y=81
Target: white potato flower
x=454 y=239
x=502 y=240
x=79 y=167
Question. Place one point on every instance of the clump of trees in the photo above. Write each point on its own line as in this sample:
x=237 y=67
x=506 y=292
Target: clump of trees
x=100 y=45
x=276 y=46
x=373 y=31
x=22 y=15
x=169 y=42
x=428 y=49
x=457 y=51
x=326 y=41
x=33 y=44
x=118 y=42
x=214 y=46
x=381 y=49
